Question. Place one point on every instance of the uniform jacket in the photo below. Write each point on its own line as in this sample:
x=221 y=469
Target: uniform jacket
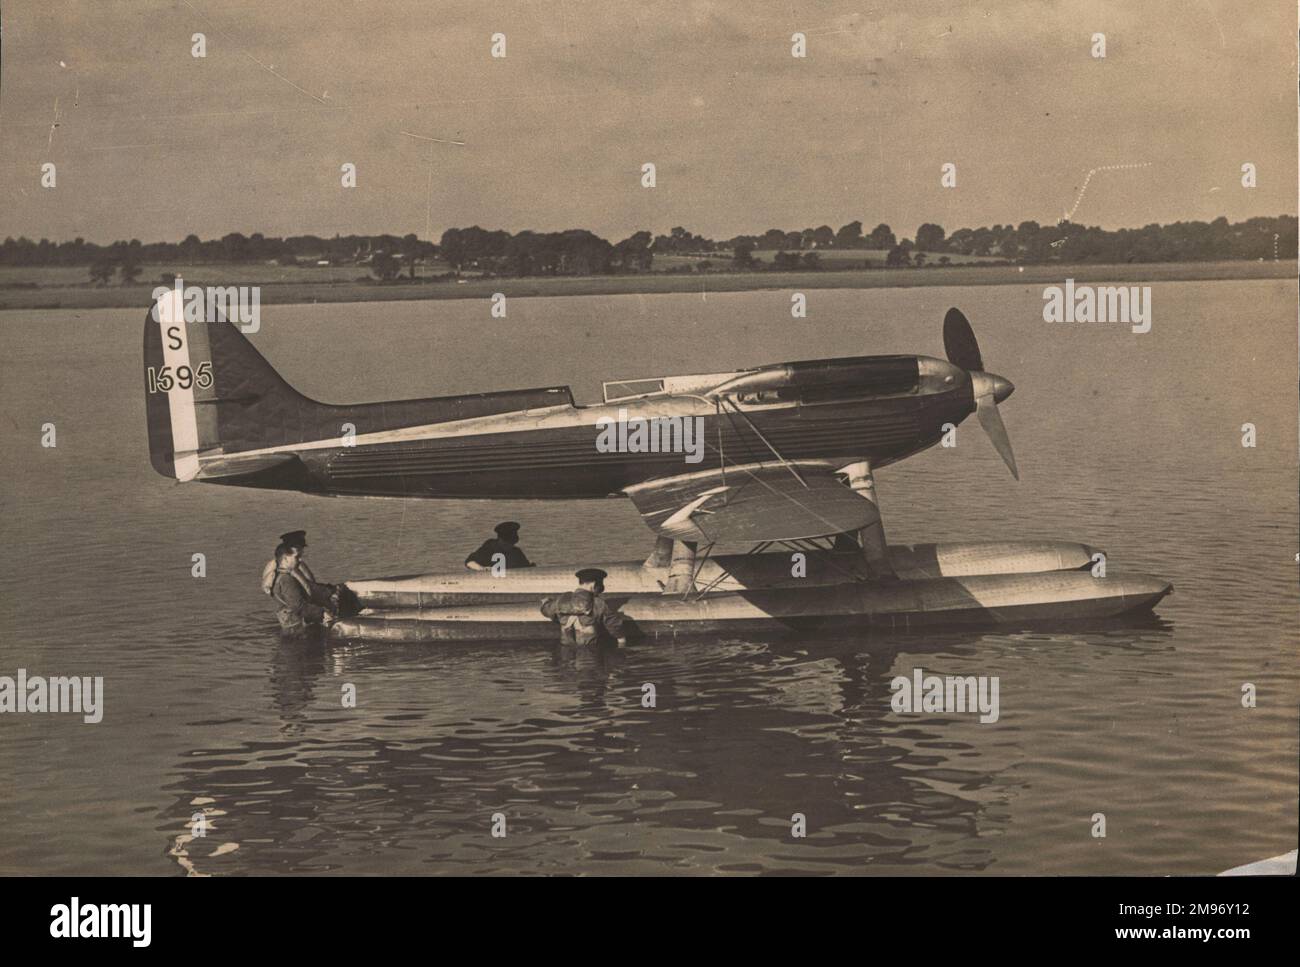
x=294 y=596
x=514 y=557
x=582 y=616
x=268 y=575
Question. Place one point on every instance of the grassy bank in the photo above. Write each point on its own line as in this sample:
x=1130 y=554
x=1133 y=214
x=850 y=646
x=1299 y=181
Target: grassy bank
x=16 y=291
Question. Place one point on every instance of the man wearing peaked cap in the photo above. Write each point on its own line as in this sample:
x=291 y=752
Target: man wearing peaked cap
x=583 y=614
x=299 y=610
x=505 y=544
x=320 y=593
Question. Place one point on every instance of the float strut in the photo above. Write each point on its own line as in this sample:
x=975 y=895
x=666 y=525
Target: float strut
x=875 y=550
x=662 y=555
x=681 y=568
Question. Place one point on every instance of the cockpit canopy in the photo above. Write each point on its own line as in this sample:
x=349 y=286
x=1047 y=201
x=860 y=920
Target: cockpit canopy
x=625 y=390
x=809 y=381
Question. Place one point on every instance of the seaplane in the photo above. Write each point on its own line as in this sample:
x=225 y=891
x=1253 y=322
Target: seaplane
x=779 y=459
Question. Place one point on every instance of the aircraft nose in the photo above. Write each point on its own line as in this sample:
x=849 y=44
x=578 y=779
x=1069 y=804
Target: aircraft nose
x=1002 y=388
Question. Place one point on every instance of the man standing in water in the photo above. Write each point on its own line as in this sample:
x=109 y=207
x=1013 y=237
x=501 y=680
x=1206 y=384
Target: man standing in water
x=296 y=595
x=583 y=614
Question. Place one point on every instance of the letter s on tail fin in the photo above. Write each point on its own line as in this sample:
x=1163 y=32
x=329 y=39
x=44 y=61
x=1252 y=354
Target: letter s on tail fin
x=210 y=395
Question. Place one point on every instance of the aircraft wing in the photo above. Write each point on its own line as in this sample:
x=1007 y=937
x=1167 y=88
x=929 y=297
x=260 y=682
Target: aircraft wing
x=753 y=502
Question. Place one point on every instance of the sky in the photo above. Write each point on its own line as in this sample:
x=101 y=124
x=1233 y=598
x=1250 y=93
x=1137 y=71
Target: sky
x=154 y=143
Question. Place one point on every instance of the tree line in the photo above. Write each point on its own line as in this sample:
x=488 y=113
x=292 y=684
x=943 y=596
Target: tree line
x=581 y=252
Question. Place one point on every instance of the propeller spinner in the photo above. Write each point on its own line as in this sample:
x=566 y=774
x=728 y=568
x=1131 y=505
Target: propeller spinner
x=963 y=350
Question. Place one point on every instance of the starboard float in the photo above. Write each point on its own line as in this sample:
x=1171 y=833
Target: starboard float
x=727 y=572
x=780 y=455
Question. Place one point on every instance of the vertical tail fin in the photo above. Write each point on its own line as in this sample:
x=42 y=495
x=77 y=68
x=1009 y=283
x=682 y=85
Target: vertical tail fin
x=208 y=391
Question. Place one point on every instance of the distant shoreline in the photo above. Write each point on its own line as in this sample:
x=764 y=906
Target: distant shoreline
x=86 y=296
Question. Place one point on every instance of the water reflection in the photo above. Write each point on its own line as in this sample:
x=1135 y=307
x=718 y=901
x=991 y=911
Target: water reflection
x=742 y=736
x=296 y=668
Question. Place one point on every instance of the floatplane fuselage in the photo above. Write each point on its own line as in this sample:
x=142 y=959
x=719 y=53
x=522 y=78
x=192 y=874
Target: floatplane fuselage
x=219 y=412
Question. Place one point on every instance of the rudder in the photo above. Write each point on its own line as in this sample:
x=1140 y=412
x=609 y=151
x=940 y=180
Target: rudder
x=208 y=391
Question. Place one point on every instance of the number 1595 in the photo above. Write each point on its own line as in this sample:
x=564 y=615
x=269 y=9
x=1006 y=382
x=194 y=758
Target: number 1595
x=163 y=380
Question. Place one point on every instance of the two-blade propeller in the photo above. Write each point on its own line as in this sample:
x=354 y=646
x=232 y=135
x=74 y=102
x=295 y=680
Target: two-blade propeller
x=963 y=350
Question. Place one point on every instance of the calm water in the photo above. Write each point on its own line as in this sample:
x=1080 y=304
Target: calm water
x=1131 y=443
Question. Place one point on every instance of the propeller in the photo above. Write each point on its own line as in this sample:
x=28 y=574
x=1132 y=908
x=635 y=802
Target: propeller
x=959 y=342
x=963 y=350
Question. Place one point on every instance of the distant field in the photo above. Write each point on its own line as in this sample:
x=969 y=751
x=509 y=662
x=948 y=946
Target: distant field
x=308 y=287
x=830 y=258
x=876 y=257
x=264 y=273
x=216 y=273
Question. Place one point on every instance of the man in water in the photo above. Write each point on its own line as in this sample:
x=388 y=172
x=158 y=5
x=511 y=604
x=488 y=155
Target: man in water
x=297 y=540
x=294 y=594
x=506 y=543
x=583 y=614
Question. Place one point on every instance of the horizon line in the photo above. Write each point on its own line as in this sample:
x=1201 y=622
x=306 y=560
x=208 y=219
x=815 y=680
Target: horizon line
x=653 y=233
